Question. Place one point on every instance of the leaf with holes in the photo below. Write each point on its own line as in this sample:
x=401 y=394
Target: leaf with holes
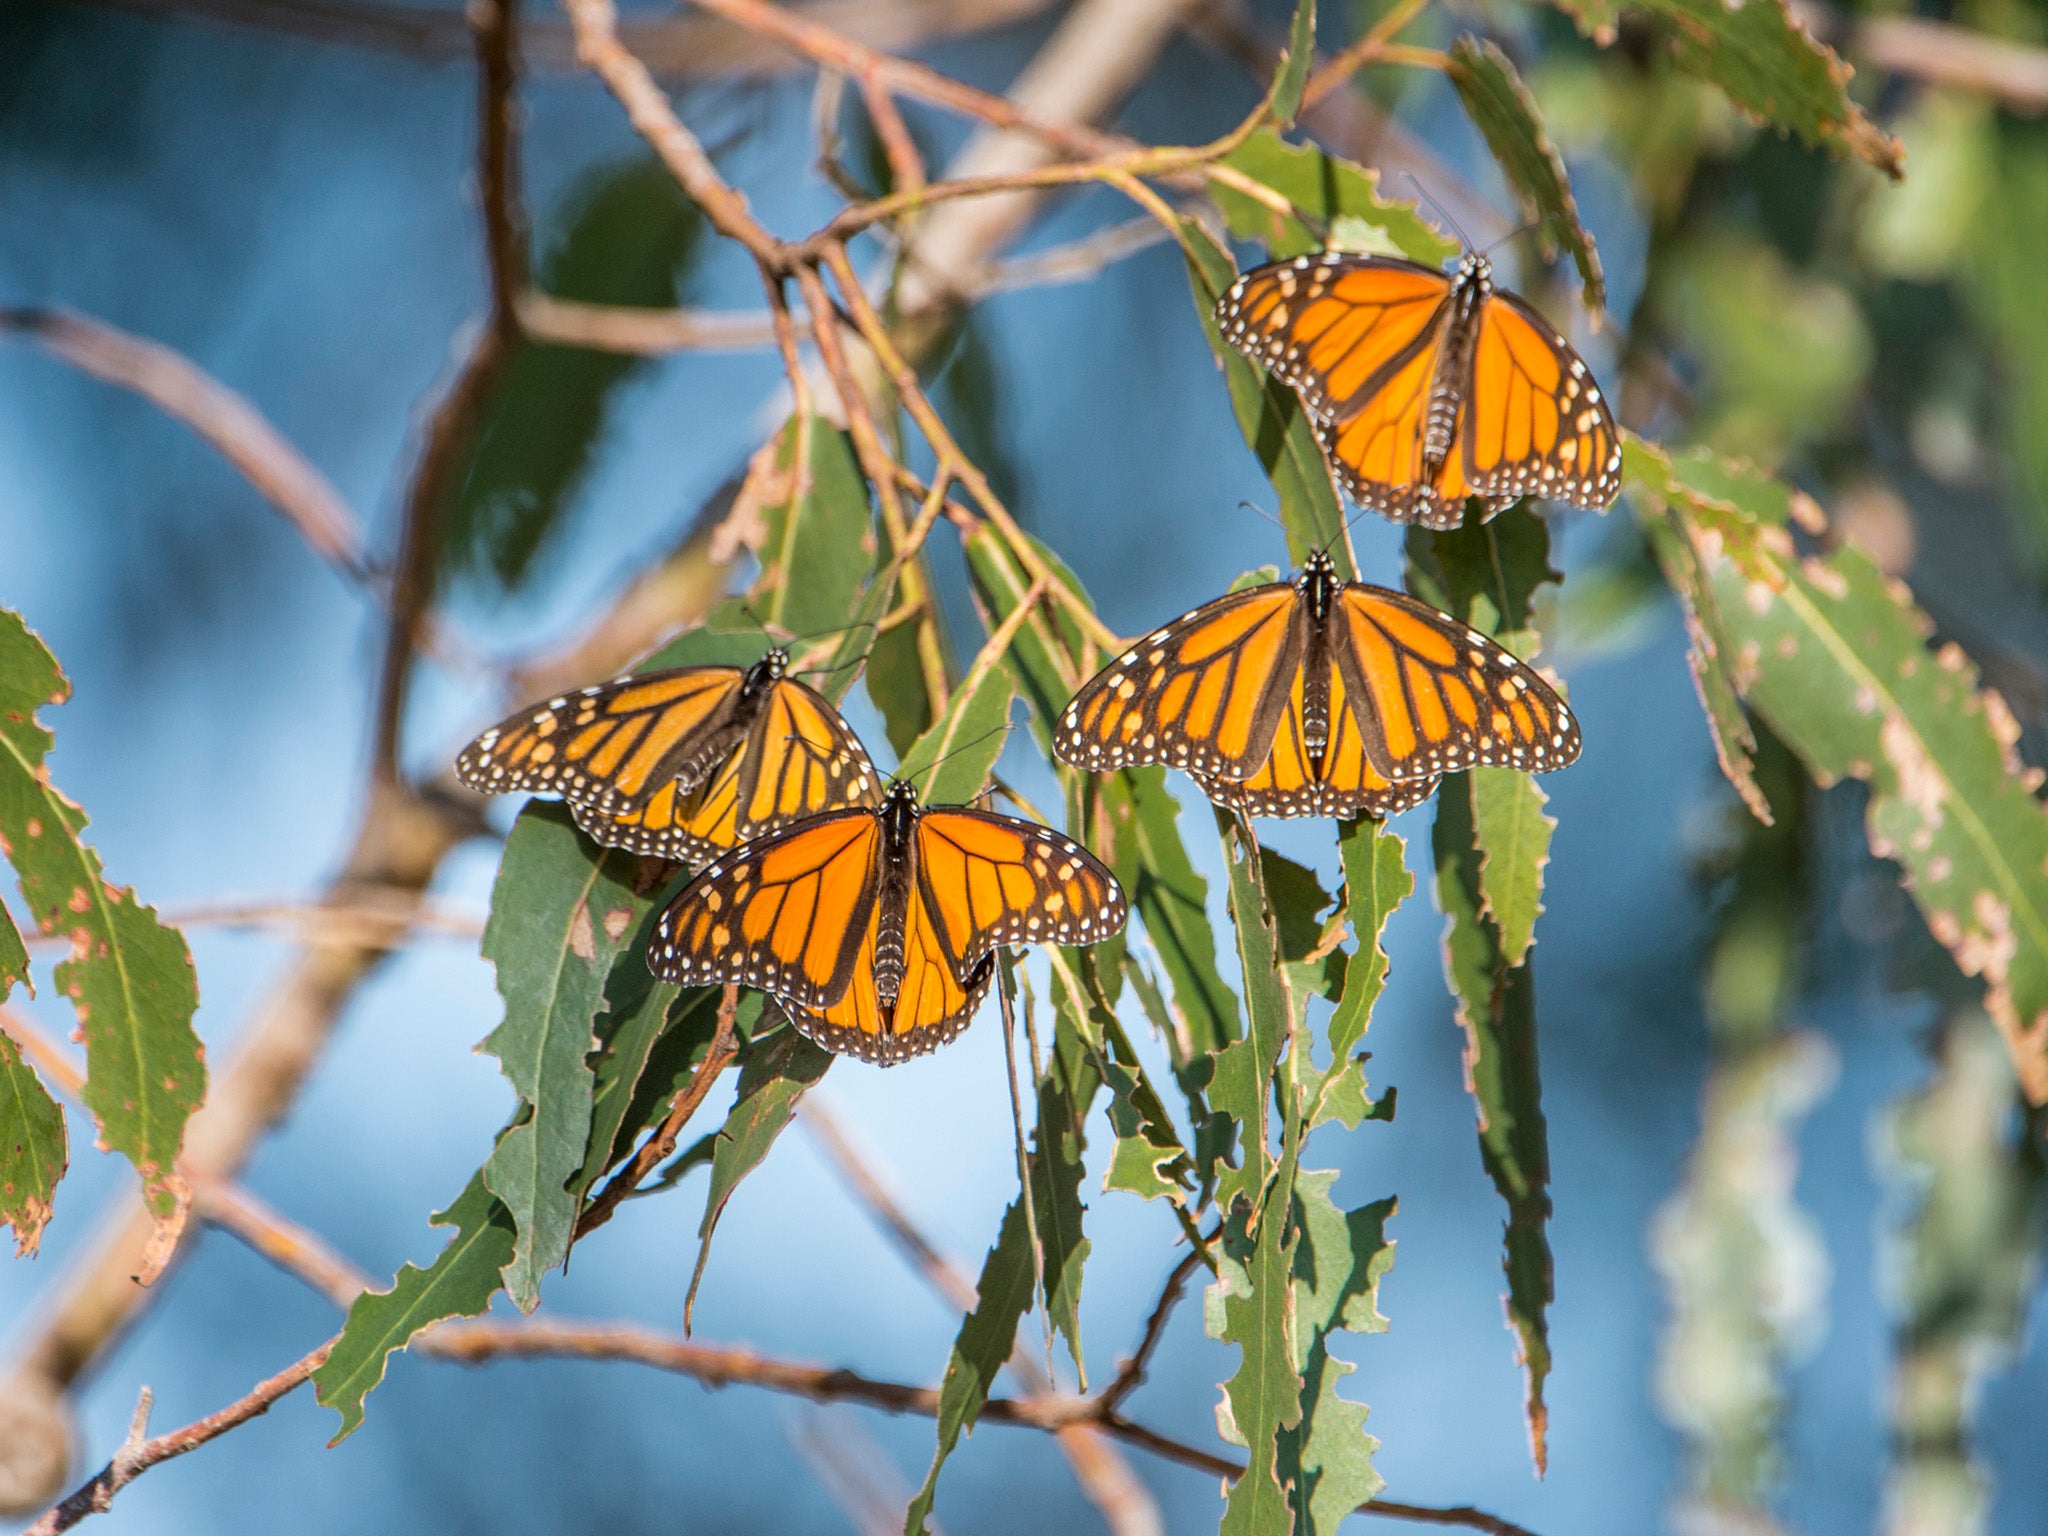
x=129 y=977
x=1504 y=112
x=1767 y=63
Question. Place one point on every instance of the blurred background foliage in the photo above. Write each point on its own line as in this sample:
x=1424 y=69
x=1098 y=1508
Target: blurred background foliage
x=1882 y=345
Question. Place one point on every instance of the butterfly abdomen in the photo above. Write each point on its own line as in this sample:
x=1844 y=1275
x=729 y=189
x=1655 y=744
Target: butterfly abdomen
x=899 y=817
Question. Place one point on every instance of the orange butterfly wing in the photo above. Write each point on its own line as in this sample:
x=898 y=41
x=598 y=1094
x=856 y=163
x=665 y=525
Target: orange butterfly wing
x=611 y=746
x=1335 y=327
x=989 y=880
x=788 y=913
x=1534 y=422
x=932 y=1004
x=689 y=826
x=1205 y=693
x=800 y=758
x=1348 y=785
x=1434 y=695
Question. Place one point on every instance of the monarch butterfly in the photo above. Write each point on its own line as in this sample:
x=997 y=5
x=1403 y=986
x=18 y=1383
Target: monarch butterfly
x=876 y=929
x=682 y=763
x=1317 y=697
x=1426 y=387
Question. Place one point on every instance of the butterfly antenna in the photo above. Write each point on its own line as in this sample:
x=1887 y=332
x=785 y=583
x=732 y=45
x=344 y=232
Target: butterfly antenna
x=932 y=767
x=1450 y=219
x=1514 y=234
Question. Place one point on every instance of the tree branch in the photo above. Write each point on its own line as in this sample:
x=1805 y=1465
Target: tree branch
x=451 y=431
x=239 y=432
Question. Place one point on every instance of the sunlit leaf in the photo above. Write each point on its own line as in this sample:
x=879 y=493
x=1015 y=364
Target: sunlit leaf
x=1243 y=1082
x=1255 y=1300
x=13 y=955
x=1323 y=188
x=1326 y=1460
x=460 y=1283
x=1502 y=109
x=1148 y=1159
x=561 y=911
x=1768 y=64
x=1292 y=78
x=1376 y=881
x=950 y=763
x=1514 y=836
x=129 y=977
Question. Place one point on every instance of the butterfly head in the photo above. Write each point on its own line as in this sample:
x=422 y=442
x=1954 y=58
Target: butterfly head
x=771 y=668
x=1318 y=582
x=1474 y=274
x=899 y=812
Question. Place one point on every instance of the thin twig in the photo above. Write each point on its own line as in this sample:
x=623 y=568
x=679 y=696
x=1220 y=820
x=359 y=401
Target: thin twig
x=2012 y=73
x=644 y=332
x=657 y=1149
x=242 y=435
x=1132 y=1371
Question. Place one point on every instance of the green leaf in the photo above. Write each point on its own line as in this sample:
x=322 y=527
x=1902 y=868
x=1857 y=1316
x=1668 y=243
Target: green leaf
x=1148 y=1159
x=951 y=762
x=655 y=1034
x=1836 y=662
x=1042 y=657
x=561 y=911
x=2008 y=240
x=1262 y=1398
x=988 y=1334
x=1765 y=61
x=1271 y=418
x=1376 y=881
x=1326 y=1461
x=1496 y=1007
x=13 y=956
x=128 y=976
x=1284 y=101
x=460 y=1283
x=1514 y=836
x=1323 y=188
x=779 y=1068
x=1243 y=1081
x=819 y=525
x=33 y=1149
x=628 y=236
x=1502 y=109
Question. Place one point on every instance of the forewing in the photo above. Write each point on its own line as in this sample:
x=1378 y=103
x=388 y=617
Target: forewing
x=1535 y=423
x=800 y=758
x=1333 y=326
x=787 y=913
x=987 y=880
x=1433 y=695
x=1204 y=693
x=612 y=746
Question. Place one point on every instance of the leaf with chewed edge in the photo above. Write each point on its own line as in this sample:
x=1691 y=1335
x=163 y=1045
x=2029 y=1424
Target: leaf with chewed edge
x=1291 y=79
x=13 y=956
x=1322 y=188
x=1767 y=63
x=1504 y=112
x=129 y=976
x=561 y=912
x=460 y=1283
x=33 y=1149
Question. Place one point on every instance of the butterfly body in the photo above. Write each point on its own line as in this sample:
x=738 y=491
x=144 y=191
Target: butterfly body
x=1426 y=388
x=680 y=763
x=876 y=929
x=1317 y=697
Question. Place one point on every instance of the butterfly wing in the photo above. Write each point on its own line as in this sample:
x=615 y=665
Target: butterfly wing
x=613 y=746
x=689 y=826
x=932 y=1004
x=1535 y=423
x=1205 y=693
x=986 y=880
x=1288 y=783
x=800 y=758
x=788 y=913
x=1433 y=695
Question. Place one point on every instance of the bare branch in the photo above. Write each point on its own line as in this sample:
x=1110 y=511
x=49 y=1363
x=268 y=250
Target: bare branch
x=452 y=429
x=1132 y=1371
x=683 y=48
x=2011 y=73
x=242 y=435
x=643 y=332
